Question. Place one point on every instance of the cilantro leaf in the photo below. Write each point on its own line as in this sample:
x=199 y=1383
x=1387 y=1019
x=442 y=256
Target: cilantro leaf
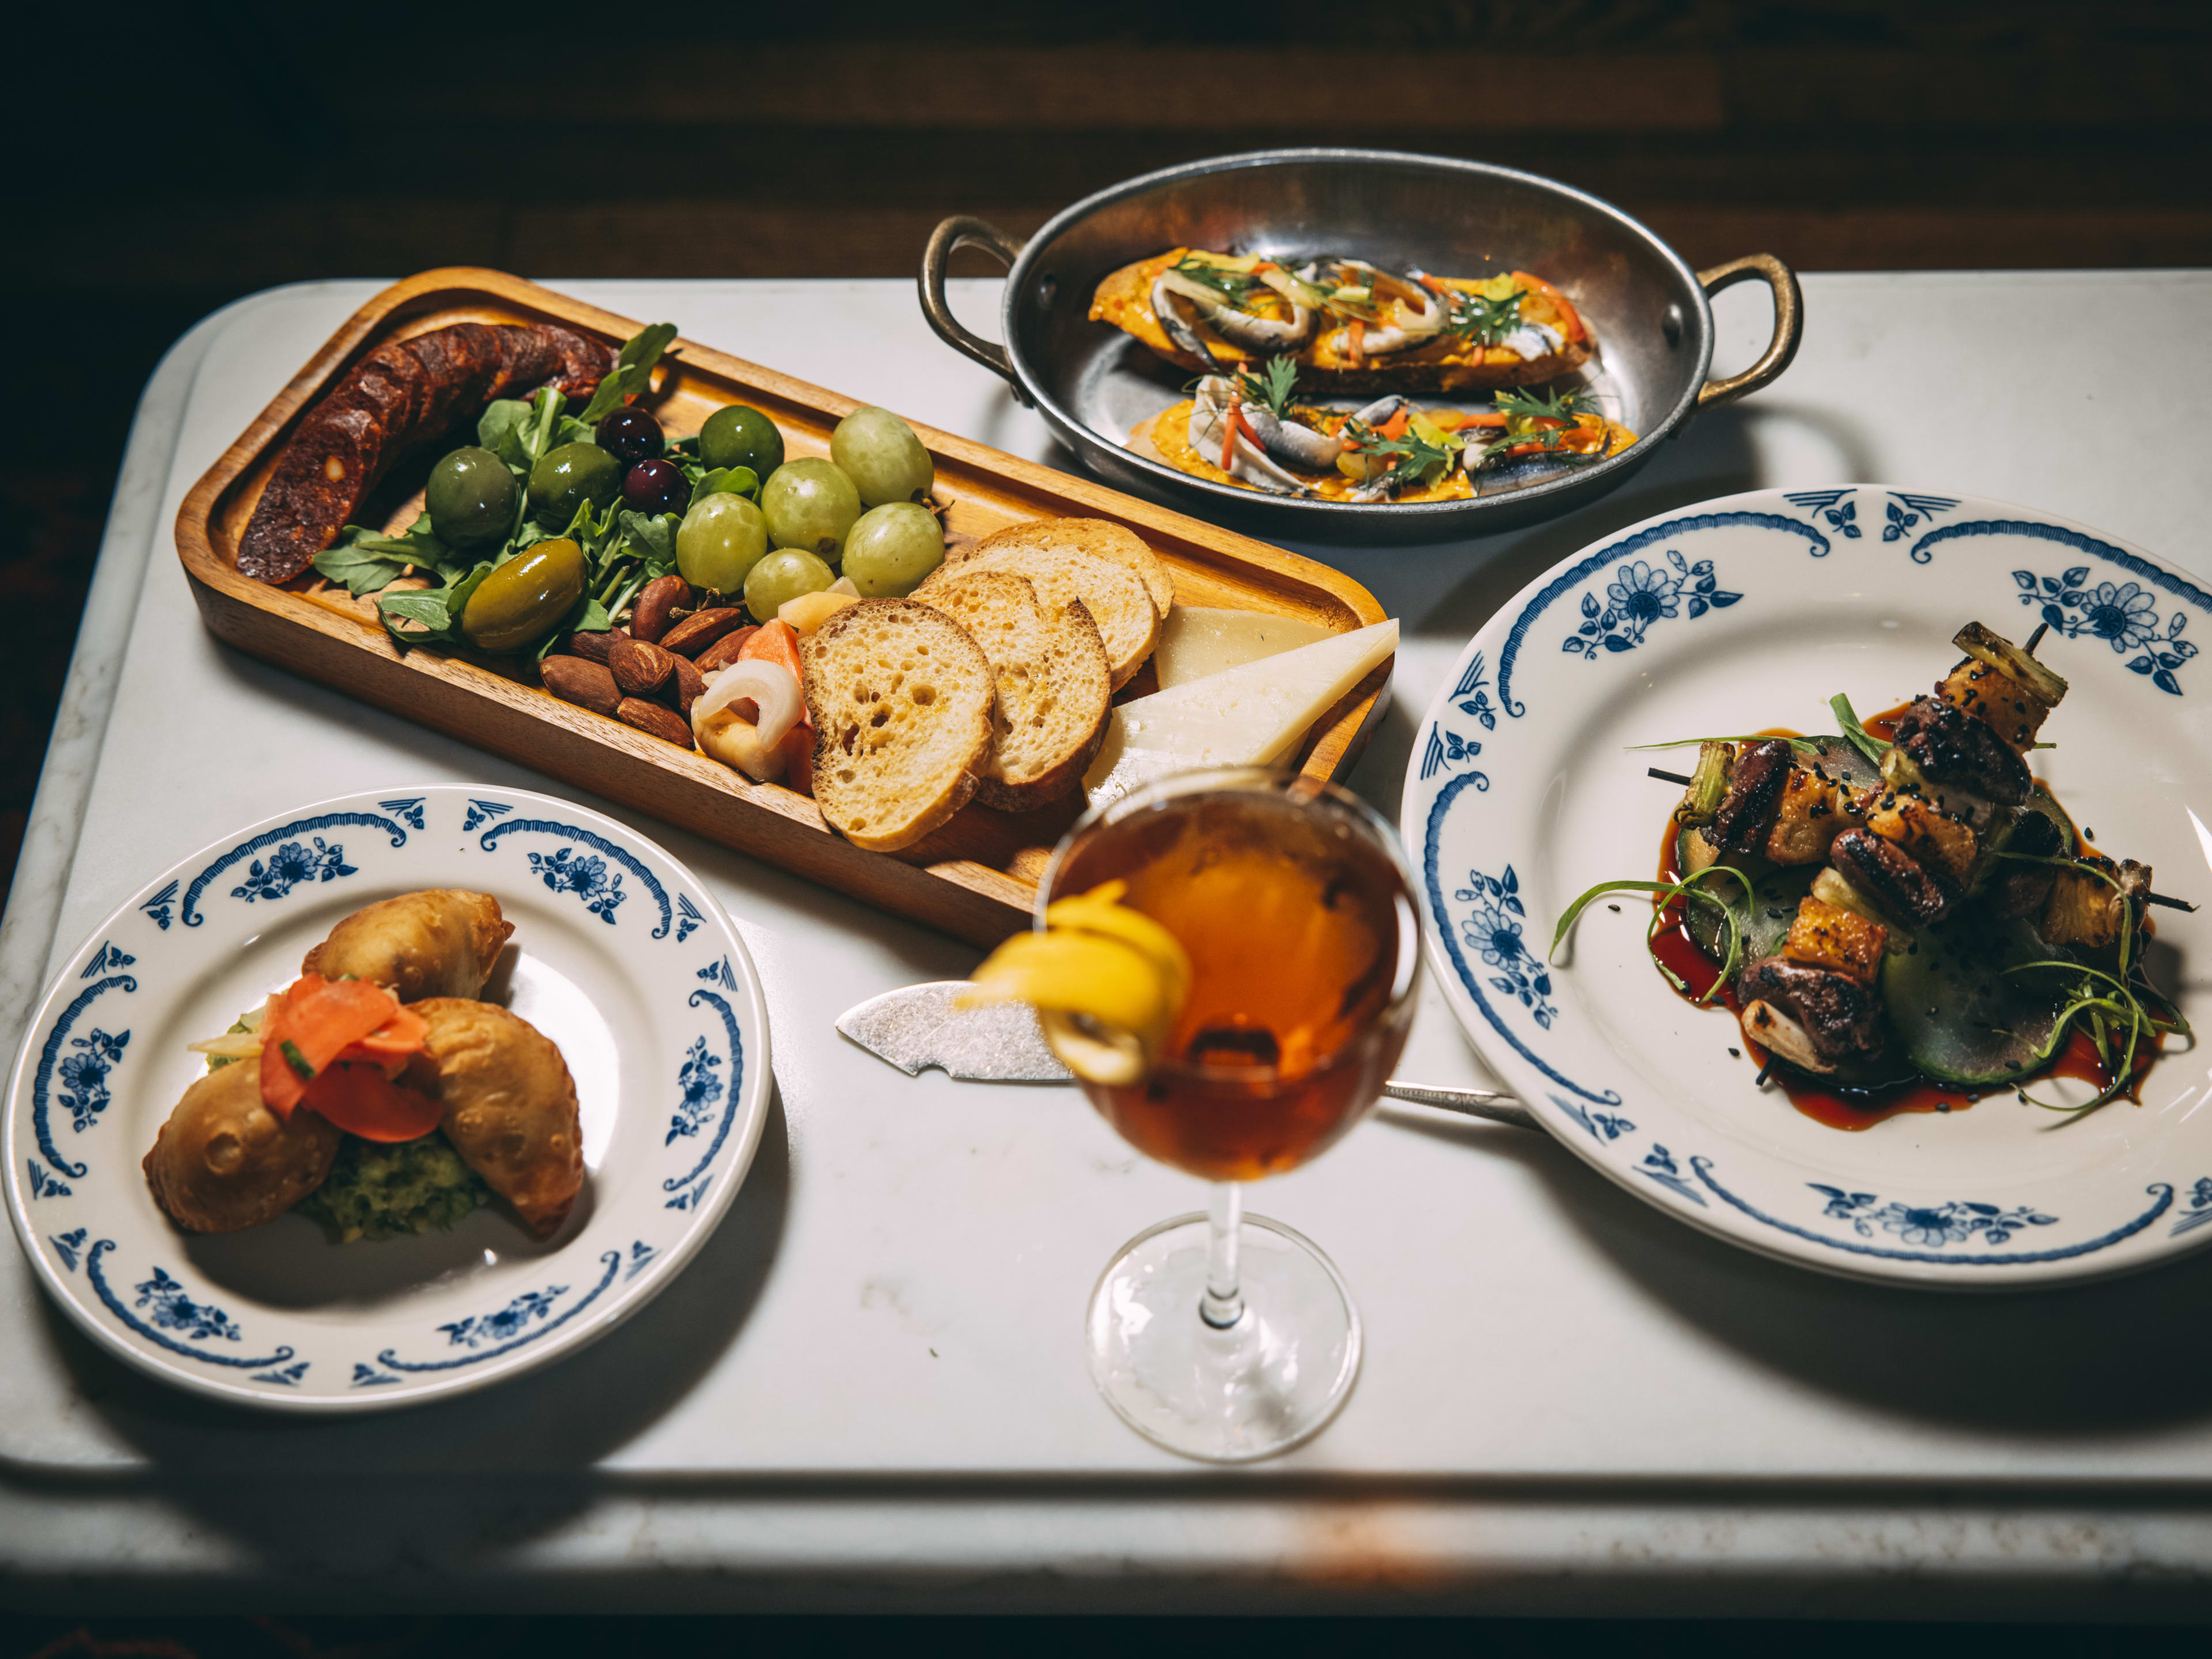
x=1482 y=320
x=1556 y=405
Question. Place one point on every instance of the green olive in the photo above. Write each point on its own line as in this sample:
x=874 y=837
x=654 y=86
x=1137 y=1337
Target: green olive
x=566 y=477
x=740 y=436
x=471 y=498
x=525 y=598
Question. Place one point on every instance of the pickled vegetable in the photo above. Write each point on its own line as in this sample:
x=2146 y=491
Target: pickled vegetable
x=471 y=498
x=782 y=577
x=525 y=598
x=718 y=543
x=892 y=548
x=740 y=436
x=879 y=453
x=565 y=478
x=631 y=436
x=810 y=504
x=655 y=487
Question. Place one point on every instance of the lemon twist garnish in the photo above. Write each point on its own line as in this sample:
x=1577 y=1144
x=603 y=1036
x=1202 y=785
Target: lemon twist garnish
x=1107 y=982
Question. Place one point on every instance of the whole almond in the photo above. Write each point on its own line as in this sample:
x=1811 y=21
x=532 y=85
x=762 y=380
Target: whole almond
x=724 y=651
x=701 y=630
x=685 y=685
x=648 y=619
x=651 y=717
x=640 y=668
x=579 y=680
x=594 y=647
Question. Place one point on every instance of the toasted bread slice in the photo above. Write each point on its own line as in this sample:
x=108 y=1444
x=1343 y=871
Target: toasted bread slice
x=901 y=700
x=1063 y=575
x=1055 y=692
x=1101 y=536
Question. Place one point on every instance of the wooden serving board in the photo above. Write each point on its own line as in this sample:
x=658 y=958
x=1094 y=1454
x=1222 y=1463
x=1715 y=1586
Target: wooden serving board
x=975 y=878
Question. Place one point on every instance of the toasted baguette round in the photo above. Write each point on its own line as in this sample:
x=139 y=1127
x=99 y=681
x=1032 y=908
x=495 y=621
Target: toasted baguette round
x=901 y=700
x=1100 y=536
x=1063 y=575
x=1055 y=692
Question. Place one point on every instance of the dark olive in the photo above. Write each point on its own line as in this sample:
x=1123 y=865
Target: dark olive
x=630 y=435
x=655 y=487
x=568 y=476
x=739 y=436
x=471 y=498
x=525 y=597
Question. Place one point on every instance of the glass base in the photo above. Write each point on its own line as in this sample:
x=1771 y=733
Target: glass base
x=1261 y=1385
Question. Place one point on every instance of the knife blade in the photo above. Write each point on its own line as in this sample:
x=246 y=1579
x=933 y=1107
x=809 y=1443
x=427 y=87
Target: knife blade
x=917 y=1026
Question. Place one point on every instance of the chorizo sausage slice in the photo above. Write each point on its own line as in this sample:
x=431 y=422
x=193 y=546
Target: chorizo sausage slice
x=402 y=395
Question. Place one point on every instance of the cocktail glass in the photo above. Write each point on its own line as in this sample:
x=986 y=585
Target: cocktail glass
x=1221 y=1335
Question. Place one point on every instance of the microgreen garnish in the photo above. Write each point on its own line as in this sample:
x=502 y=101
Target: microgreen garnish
x=1862 y=739
x=1231 y=285
x=1272 y=386
x=1538 y=405
x=1665 y=893
x=1482 y=320
x=1418 y=460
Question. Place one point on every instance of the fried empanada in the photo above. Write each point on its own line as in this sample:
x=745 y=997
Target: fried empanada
x=440 y=943
x=224 y=1161
x=509 y=1105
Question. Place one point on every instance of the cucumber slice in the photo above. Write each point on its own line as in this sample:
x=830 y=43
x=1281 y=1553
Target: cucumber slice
x=1960 y=1018
x=1841 y=761
x=1764 y=918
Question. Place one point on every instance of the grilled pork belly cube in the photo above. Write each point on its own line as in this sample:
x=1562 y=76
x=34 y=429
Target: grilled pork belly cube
x=1936 y=843
x=2084 y=911
x=1952 y=748
x=2022 y=890
x=1824 y=935
x=1754 y=790
x=1912 y=894
x=1809 y=814
x=1994 y=698
x=1842 y=1016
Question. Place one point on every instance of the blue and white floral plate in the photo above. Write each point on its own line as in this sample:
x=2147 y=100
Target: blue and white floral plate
x=620 y=955
x=1750 y=612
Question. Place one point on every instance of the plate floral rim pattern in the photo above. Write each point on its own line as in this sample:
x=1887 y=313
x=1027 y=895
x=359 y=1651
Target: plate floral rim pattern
x=161 y=1317
x=1603 y=603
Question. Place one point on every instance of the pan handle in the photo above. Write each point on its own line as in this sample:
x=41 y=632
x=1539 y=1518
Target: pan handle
x=964 y=230
x=1789 y=323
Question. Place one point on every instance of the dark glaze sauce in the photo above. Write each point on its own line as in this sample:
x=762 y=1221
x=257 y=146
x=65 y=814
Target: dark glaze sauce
x=1851 y=1108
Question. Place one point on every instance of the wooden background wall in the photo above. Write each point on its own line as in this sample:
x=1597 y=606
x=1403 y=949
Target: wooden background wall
x=166 y=162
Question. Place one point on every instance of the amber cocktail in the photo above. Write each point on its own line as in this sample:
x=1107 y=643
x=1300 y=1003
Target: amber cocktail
x=1291 y=901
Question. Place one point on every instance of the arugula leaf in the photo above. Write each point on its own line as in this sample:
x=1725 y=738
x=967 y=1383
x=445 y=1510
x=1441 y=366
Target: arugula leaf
x=435 y=610
x=500 y=429
x=725 y=481
x=365 y=561
x=652 y=539
x=1272 y=386
x=587 y=616
x=633 y=370
x=570 y=430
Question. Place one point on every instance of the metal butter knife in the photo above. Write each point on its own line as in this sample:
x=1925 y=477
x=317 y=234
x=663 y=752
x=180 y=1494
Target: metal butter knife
x=918 y=1026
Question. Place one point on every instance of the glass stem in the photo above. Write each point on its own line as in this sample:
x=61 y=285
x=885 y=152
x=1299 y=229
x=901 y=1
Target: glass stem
x=1223 y=1305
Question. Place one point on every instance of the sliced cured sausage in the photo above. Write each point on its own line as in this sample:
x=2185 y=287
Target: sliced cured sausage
x=403 y=394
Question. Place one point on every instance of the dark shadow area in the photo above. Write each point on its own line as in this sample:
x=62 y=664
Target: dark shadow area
x=2074 y=1363
x=563 y=1418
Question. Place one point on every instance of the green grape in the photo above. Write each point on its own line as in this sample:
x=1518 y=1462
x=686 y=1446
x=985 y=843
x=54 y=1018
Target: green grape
x=810 y=504
x=892 y=548
x=740 y=436
x=881 y=455
x=782 y=577
x=718 y=543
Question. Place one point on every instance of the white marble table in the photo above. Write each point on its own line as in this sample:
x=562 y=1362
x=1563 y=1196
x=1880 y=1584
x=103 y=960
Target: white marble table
x=868 y=1391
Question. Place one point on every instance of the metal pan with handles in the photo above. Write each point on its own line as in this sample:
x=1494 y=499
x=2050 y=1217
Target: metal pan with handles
x=1652 y=314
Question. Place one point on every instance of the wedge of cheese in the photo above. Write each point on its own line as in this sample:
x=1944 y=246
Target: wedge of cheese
x=1250 y=715
x=1198 y=642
